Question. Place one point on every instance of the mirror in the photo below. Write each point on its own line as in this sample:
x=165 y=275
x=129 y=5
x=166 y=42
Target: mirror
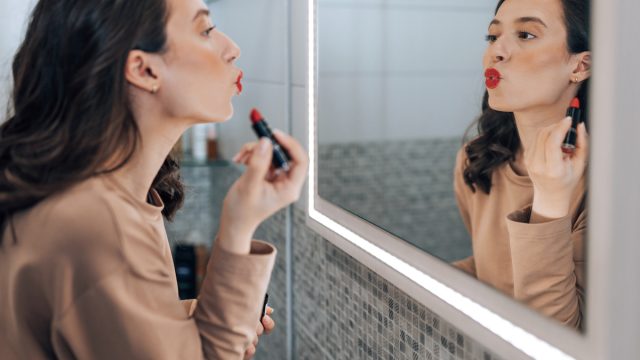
x=399 y=86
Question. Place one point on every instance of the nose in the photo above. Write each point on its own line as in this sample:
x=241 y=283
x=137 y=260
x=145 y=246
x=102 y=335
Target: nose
x=232 y=52
x=500 y=50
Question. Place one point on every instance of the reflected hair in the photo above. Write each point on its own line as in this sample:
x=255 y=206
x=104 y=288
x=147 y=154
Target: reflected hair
x=69 y=117
x=497 y=139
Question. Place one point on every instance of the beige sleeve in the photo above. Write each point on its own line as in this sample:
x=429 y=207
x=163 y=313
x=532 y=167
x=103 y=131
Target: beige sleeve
x=136 y=315
x=548 y=264
x=468 y=265
x=189 y=305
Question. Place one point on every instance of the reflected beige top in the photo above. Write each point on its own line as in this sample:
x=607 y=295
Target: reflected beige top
x=91 y=277
x=536 y=260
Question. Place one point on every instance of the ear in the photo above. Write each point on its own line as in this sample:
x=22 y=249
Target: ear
x=141 y=71
x=582 y=69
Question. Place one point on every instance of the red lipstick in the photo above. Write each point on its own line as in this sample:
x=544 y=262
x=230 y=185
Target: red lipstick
x=239 y=83
x=492 y=77
x=280 y=158
x=569 y=143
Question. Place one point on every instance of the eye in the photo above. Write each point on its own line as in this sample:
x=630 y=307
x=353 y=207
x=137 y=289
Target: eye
x=208 y=31
x=526 y=35
x=491 y=38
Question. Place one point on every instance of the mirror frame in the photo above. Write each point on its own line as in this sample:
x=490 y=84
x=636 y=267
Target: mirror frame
x=508 y=328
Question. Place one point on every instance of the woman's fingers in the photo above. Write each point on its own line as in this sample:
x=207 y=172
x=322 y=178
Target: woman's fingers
x=259 y=161
x=553 y=147
x=298 y=155
x=250 y=352
x=582 y=145
x=268 y=324
x=244 y=152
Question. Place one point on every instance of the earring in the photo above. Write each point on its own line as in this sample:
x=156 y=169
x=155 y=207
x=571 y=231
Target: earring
x=154 y=89
x=576 y=79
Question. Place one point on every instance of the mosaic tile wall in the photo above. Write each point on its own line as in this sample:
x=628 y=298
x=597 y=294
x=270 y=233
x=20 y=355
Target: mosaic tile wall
x=342 y=310
x=411 y=196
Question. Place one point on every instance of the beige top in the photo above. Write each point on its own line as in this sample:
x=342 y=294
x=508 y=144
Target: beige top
x=536 y=260
x=91 y=277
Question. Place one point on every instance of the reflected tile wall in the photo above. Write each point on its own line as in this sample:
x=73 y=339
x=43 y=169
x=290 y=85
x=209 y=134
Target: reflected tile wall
x=402 y=186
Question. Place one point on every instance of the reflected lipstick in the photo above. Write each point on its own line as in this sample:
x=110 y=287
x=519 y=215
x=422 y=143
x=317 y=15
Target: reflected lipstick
x=569 y=143
x=280 y=158
x=492 y=77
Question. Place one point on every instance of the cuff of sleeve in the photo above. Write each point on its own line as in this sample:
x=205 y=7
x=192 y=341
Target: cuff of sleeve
x=261 y=257
x=524 y=223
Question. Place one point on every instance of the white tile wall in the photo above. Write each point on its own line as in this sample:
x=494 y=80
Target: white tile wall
x=260 y=30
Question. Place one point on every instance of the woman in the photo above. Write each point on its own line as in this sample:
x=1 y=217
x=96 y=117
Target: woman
x=521 y=198
x=103 y=90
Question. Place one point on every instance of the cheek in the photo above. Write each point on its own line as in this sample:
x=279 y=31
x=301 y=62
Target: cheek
x=545 y=72
x=197 y=85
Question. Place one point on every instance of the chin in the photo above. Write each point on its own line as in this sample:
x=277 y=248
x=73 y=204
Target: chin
x=498 y=105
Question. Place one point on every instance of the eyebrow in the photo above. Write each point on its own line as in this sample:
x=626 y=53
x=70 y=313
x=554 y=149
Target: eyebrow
x=521 y=20
x=201 y=12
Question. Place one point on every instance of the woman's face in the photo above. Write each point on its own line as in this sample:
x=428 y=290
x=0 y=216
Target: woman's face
x=199 y=76
x=527 y=44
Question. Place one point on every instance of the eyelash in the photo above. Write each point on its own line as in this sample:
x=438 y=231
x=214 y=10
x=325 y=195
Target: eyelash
x=521 y=34
x=209 y=30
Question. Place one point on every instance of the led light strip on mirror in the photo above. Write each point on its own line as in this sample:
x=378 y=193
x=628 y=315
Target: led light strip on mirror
x=514 y=335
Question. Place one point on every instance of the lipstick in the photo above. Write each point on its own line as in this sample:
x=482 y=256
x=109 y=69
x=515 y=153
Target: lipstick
x=492 y=77
x=280 y=158
x=569 y=143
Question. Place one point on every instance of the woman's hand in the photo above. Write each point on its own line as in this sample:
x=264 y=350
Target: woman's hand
x=260 y=191
x=266 y=326
x=555 y=175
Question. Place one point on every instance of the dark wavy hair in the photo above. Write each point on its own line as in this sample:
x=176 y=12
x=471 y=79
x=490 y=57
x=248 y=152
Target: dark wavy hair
x=498 y=141
x=70 y=114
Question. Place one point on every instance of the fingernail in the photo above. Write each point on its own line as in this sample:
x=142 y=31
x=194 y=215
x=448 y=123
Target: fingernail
x=264 y=145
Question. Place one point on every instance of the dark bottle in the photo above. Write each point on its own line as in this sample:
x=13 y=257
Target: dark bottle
x=184 y=260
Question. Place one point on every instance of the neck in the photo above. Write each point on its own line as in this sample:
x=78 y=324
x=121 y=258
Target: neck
x=158 y=135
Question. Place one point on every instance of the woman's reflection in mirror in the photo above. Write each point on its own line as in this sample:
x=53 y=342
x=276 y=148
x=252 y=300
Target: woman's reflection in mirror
x=521 y=198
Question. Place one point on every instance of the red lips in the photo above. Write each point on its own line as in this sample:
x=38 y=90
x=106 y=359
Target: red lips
x=239 y=82
x=492 y=78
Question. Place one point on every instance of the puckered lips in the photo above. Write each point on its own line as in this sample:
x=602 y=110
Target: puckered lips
x=492 y=77
x=239 y=82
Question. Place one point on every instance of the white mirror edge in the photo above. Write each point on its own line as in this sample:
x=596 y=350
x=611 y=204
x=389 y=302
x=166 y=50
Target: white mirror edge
x=506 y=327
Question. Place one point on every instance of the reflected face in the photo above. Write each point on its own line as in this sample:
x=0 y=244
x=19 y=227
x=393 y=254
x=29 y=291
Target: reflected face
x=527 y=61
x=199 y=76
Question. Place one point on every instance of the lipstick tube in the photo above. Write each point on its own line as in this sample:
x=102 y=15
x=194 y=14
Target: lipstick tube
x=569 y=143
x=280 y=158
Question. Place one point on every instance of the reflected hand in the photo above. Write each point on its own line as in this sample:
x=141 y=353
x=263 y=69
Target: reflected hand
x=555 y=175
